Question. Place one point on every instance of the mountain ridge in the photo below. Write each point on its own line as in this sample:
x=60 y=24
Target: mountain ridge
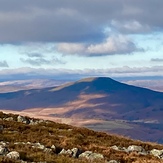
x=91 y=98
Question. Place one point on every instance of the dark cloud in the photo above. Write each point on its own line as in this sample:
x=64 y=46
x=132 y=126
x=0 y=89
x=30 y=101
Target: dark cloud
x=75 y=21
x=3 y=64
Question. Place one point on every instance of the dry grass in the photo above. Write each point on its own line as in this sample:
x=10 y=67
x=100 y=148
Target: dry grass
x=66 y=136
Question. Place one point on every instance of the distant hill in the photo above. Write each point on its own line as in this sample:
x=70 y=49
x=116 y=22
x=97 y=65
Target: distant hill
x=93 y=98
x=17 y=85
x=154 y=84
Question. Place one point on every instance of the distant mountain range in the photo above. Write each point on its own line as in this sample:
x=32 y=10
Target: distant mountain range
x=17 y=85
x=102 y=99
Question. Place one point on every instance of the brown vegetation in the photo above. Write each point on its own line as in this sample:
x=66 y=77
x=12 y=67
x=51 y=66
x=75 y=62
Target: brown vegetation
x=66 y=136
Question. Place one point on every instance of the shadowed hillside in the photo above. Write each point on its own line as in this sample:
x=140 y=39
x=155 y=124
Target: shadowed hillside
x=94 y=98
x=115 y=100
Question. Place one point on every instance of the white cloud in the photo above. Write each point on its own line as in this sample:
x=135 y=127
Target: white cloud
x=71 y=48
x=113 y=45
x=116 y=44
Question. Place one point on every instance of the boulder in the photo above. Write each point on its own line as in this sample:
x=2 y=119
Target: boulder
x=3 y=144
x=157 y=153
x=115 y=147
x=9 y=119
x=23 y=119
x=3 y=150
x=135 y=148
x=66 y=152
x=63 y=151
x=85 y=154
x=48 y=150
x=39 y=146
x=91 y=156
x=112 y=161
x=76 y=152
x=13 y=155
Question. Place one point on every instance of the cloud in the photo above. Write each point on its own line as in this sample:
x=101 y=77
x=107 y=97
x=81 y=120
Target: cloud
x=34 y=55
x=75 y=21
x=113 y=45
x=131 y=26
x=157 y=59
x=38 y=59
x=69 y=74
x=3 y=64
x=71 y=48
x=42 y=61
x=116 y=44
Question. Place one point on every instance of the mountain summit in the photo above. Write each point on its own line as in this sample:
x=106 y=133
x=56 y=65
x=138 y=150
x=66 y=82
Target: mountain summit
x=91 y=98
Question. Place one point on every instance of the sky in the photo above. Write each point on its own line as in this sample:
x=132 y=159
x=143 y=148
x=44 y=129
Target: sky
x=74 y=39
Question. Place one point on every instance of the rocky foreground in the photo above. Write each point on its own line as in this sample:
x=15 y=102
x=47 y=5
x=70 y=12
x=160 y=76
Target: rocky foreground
x=27 y=140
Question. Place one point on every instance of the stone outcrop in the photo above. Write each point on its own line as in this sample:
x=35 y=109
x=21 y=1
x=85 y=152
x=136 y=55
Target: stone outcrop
x=23 y=119
x=3 y=150
x=112 y=161
x=89 y=155
x=13 y=155
x=74 y=152
x=157 y=153
x=135 y=148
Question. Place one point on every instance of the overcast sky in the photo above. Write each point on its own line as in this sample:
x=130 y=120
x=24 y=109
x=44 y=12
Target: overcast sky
x=72 y=38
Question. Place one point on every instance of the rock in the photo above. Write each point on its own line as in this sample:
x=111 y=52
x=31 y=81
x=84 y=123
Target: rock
x=53 y=147
x=39 y=146
x=69 y=152
x=76 y=152
x=29 y=143
x=9 y=119
x=115 y=147
x=41 y=121
x=91 y=156
x=134 y=148
x=3 y=150
x=3 y=144
x=19 y=143
x=70 y=129
x=31 y=122
x=63 y=151
x=48 y=150
x=95 y=156
x=112 y=161
x=157 y=153
x=13 y=155
x=85 y=154
x=1 y=128
x=66 y=152
x=143 y=153
x=23 y=119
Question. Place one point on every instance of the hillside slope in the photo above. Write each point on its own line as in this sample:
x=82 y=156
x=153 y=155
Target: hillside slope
x=24 y=139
